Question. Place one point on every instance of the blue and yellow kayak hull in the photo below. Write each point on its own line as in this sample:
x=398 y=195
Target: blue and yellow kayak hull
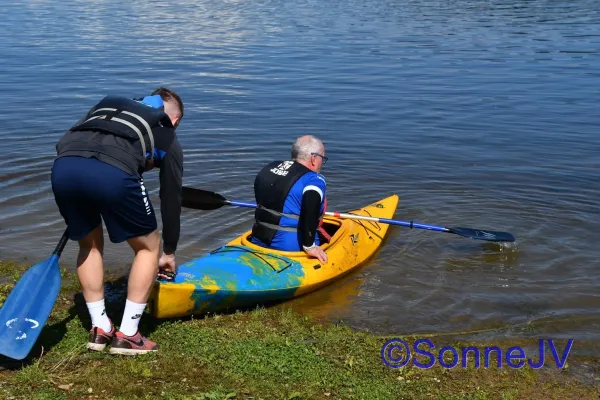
x=241 y=274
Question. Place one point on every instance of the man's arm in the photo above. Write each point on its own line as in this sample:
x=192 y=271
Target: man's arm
x=312 y=197
x=171 y=177
x=309 y=217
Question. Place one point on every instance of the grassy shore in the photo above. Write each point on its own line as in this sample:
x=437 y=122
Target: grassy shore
x=262 y=354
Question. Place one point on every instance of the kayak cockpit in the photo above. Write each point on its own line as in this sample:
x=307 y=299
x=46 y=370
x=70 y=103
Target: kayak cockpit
x=333 y=227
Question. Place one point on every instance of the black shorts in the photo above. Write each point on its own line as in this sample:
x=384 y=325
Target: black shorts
x=88 y=191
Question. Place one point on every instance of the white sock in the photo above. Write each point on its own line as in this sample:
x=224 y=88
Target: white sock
x=131 y=317
x=98 y=314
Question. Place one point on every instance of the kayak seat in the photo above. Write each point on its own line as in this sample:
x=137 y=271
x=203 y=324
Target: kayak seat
x=330 y=229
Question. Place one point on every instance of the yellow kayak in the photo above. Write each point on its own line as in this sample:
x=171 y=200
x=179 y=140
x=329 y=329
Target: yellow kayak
x=241 y=274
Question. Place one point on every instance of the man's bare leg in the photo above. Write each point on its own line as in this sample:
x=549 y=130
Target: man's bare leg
x=141 y=279
x=90 y=271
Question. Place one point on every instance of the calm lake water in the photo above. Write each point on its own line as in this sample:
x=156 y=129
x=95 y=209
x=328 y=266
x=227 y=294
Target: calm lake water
x=479 y=114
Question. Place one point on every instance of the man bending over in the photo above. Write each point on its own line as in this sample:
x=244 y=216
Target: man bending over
x=97 y=176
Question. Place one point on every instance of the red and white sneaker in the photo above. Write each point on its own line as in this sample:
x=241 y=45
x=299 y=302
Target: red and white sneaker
x=99 y=338
x=131 y=345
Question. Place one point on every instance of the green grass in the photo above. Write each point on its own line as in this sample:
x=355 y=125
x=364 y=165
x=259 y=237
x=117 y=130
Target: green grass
x=262 y=354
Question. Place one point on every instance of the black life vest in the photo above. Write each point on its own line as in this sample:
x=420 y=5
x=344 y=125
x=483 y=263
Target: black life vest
x=124 y=118
x=271 y=187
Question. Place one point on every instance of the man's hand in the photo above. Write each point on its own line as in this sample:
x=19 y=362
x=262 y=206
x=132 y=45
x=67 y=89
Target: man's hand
x=317 y=252
x=167 y=264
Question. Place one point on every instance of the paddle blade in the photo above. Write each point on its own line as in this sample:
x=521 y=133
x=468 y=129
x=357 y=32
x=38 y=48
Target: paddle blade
x=478 y=234
x=25 y=311
x=201 y=199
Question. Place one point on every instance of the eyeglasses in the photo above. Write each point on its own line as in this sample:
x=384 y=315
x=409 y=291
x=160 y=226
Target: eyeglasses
x=322 y=156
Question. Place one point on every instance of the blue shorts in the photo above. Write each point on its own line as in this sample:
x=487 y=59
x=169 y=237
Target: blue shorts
x=88 y=191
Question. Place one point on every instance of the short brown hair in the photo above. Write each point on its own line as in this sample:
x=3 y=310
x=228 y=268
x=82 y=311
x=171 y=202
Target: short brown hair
x=168 y=94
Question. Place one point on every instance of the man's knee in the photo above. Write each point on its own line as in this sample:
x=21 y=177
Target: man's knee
x=149 y=242
x=94 y=240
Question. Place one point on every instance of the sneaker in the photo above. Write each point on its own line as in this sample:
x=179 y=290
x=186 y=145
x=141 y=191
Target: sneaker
x=131 y=345
x=99 y=338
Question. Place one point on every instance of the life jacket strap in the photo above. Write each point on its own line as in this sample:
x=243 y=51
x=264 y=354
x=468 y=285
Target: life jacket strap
x=277 y=213
x=277 y=227
x=280 y=214
x=112 y=117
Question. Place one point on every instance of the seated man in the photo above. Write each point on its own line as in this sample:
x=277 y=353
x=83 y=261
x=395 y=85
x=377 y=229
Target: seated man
x=290 y=196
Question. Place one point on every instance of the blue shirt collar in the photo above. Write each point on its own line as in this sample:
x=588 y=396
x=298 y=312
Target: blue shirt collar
x=153 y=101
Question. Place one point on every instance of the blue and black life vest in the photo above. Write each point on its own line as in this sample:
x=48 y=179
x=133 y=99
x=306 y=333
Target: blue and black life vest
x=271 y=188
x=131 y=121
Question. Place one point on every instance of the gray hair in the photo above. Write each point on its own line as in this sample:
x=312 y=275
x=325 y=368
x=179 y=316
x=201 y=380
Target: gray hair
x=304 y=146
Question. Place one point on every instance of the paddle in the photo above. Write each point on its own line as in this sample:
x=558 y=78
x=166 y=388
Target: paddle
x=29 y=304
x=205 y=200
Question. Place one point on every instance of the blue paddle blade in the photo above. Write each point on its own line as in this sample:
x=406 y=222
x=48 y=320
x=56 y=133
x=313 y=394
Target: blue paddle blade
x=27 y=308
x=492 y=236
